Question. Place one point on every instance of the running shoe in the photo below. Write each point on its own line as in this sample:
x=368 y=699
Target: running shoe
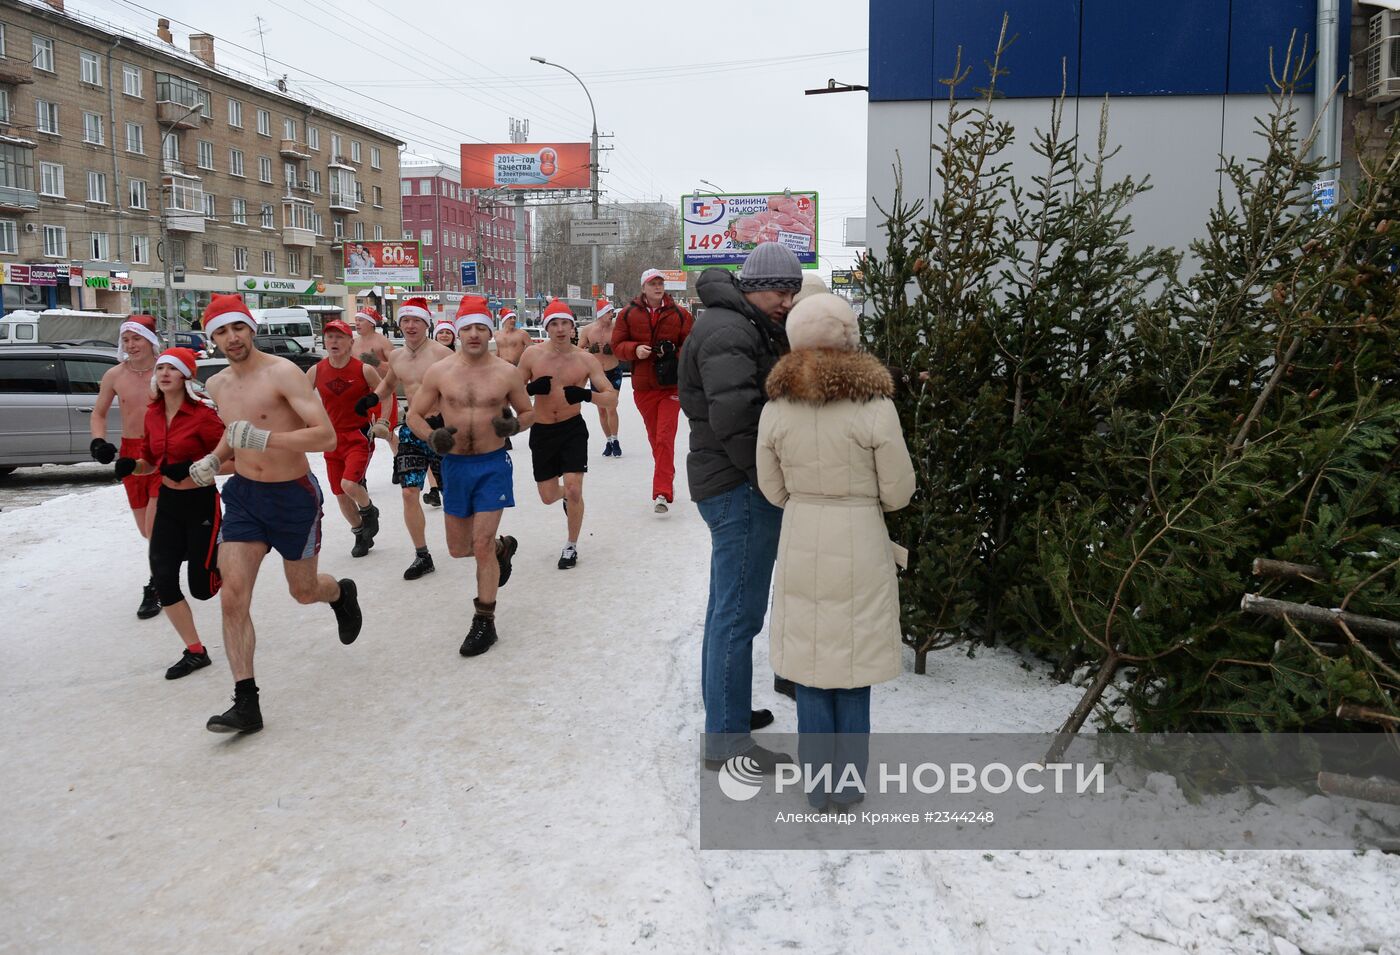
x=505 y=551
x=433 y=498
x=568 y=557
x=659 y=505
x=348 y=617
x=187 y=664
x=617 y=448
x=607 y=449
x=150 y=603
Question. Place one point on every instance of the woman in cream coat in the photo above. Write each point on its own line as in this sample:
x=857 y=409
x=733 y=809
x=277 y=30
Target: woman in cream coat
x=832 y=455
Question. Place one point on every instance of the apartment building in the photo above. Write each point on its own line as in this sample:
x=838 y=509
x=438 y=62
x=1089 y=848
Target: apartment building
x=101 y=128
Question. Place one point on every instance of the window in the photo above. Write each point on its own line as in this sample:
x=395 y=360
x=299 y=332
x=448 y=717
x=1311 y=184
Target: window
x=91 y=66
x=318 y=266
x=135 y=138
x=315 y=182
x=240 y=259
x=289 y=174
x=16 y=167
x=318 y=224
x=2 y=39
x=43 y=53
x=359 y=191
x=211 y=255
x=264 y=123
x=28 y=375
x=267 y=220
x=425 y=187
x=9 y=236
x=5 y=106
x=177 y=89
x=338 y=227
x=131 y=80
x=269 y=261
x=289 y=129
x=204 y=154
x=313 y=138
x=374 y=157
x=177 y=252
x=51 y=179
x=235 y=162
x=354 y=150
x=427 y=236
x=264 y=169
x=92 y=128
x=138 y=194
x=408 y=234
x=97 y=187
x=140 y=249
x=47 y=116
x=378 y=198
x=235 y=114
x=210 y=207
x=296 y=215
x=405 y=187
x=240 y=211
x=335 y=144
x=55 y=241
x=170 y=149
x=100 y=250
x=294 y=263
x=378 y=233
x=359 y=231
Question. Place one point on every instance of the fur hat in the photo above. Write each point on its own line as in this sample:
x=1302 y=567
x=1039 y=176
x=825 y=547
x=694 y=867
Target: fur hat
x=823 y=321
x=812 y=284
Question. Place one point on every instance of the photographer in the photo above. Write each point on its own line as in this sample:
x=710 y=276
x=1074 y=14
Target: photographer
x=649 y=333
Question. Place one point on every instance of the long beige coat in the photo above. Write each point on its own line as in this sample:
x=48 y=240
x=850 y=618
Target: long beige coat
x=832 y=455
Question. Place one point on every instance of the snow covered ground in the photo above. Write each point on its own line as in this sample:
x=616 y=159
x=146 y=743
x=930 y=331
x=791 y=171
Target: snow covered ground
x=543 y=797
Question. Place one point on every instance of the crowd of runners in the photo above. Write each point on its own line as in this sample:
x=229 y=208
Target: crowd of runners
x=468 y=385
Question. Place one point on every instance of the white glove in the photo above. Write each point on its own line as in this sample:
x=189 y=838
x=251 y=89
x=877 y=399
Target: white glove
x=244 y=435
x=202 y=472
x=380 y=429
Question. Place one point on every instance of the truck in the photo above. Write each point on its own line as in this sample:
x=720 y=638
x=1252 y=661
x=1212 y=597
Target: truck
x=24 y=327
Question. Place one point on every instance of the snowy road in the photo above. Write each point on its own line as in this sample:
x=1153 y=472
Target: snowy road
x=543 y=797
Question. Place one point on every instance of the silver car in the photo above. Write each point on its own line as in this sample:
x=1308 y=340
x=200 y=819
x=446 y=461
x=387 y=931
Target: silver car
x=47 y=393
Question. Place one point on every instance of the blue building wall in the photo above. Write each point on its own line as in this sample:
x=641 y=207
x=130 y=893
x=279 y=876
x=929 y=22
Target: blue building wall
x=1107 y=47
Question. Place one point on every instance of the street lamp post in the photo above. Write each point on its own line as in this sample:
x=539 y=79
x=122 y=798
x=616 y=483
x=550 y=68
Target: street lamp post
x=165 y=227
x=592 y=167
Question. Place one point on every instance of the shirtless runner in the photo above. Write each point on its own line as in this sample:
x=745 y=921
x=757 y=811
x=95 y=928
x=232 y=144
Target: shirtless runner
x=272 y=501
x=129 y=382
x=511 y=342
x=414 y=459
x=469 y=390
x=596 y=339
x=372 y=348
x=557 y=372
x=444 y=333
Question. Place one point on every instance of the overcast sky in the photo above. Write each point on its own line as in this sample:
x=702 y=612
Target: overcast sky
x=689 y=91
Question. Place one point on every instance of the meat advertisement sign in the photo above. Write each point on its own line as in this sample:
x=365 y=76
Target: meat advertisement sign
x=382 y=263
x=722 y=230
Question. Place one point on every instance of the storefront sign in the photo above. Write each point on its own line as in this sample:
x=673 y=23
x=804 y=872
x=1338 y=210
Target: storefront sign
x=43 y=275
x=16 y=274
x=374 y=263
x=105 y=284
x=75 y=276
x=721 y=230
x=286 y=286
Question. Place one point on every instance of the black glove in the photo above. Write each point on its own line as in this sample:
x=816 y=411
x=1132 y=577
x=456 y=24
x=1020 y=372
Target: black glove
x=573 y=394
x=103 y=452
x=540 y=386
x=505 y=427
x=665 y=349
x=124 y=467
x=435 y=422
x=176 y=470
x=441 y=440
x=367 y=402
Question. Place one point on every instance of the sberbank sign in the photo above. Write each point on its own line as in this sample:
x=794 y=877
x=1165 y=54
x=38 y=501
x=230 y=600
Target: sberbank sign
x=290 y=286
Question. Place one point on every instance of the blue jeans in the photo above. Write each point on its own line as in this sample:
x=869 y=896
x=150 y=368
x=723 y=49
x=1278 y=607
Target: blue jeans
x=744 y=531
x=833 y=729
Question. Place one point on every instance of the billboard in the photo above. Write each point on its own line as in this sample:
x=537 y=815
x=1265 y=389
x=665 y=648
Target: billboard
x=525 y=166
x=721 y=230
x=382 y=263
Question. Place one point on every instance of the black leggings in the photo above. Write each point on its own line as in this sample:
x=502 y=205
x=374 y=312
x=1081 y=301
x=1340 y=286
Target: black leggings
x=186 y=530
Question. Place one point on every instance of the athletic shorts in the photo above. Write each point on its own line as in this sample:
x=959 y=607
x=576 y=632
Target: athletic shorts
x=349 y=460
x=284 y=515
x=477 y=483
x=560 y=448
x=413 y=460
x=141 y=489
x=393 y=412
x=615 y=377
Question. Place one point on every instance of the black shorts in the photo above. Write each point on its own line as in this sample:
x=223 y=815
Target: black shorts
x=614 y=377
x=560 y=448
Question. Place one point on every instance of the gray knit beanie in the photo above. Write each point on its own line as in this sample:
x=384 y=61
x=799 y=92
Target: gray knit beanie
x=771 y=266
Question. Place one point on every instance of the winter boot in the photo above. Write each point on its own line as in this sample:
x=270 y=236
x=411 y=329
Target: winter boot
x=433 y=498
x=362 y=542
x=369 y=522
x=786 y=687
x=483 y=632
x=765 y=761
x=347 y=611
x=245 y=716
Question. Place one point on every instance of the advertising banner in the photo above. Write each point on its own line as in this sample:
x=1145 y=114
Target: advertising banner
x=43 y=275
x=381 y=263
x=525 y=166
x=254 y=283
x=675 y=279
x=722 y=230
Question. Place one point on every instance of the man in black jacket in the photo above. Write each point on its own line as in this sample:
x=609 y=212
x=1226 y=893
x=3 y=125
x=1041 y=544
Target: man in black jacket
x=723 y=367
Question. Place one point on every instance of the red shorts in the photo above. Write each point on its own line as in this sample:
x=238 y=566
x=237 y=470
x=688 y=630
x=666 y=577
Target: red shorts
x=393 y=412
x=141 y=489
x=349 y=460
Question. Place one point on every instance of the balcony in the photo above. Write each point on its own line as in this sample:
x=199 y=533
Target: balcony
x=178 y=115
x=344 y=201
x=342 y=162
x=16 y=71
x=183 y=198
x=297 y=189
x=291 y=149
x=18 y=200
x=295 y=238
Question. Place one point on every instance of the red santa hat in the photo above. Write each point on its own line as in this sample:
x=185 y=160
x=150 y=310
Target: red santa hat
x=143 y=325
x=507 y=313
x=444 y=323
x=369 y=314
x=602 y=307
x=182 y=360
x=226 y=310
x=557 y=309
x=338 y=325
x=416 y=307
x=473 y=310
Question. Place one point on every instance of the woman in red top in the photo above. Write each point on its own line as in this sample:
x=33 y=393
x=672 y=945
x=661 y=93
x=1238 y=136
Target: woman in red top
x=181 y=427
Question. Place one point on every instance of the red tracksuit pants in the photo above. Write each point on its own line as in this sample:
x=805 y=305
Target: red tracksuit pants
x=660 y=408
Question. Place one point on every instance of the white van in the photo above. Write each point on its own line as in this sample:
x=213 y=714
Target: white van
x=293 y=322
x=22 y=327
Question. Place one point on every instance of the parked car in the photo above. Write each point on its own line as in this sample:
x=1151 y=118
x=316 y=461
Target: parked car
x=47 y=393
x=206 y=368
x=288 y=347
x=195 y=340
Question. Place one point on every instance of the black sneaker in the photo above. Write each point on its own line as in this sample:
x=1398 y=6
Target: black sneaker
x=150 y=603
x=505 y=551
x=347 y=611
x=760 y=718
x=187 y=664
x=764 y=761
x=362 y=542
x=568 y=557
x=786 y=687
x=433 y=497
x=480 y=638
x=419 y=567
x=244 y=716
x=369 y=523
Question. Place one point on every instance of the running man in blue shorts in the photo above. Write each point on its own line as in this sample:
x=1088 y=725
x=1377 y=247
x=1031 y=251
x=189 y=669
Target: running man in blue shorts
x=596 y=339
x=469 y=390
x=273 y=501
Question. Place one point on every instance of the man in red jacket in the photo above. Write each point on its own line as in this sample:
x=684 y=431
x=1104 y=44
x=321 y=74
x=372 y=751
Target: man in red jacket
x=649 y=333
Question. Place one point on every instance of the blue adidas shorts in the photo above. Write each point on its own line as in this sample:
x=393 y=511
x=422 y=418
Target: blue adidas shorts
x=477 y=483
x=284 y=515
